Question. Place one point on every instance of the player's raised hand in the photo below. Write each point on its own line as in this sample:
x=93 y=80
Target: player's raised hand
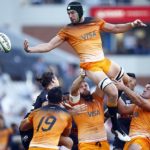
x=138 y=23
x=82 y=73
x=26 y=45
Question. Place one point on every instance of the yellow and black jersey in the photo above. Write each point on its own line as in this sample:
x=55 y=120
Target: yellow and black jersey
x=49 y=122
x=140 y=124
x=91 y=123
x=85 y=39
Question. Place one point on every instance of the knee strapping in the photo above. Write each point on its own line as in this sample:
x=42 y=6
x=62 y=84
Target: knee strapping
x=120 y=74
x=102 y=84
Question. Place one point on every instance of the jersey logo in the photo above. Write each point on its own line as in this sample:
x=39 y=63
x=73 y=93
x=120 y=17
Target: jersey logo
x=89 y=35
x=93 y=113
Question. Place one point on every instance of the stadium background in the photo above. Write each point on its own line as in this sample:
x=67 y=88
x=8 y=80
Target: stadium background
x=38 y=21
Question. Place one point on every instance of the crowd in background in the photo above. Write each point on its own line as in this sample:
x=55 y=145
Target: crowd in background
x=86 y=2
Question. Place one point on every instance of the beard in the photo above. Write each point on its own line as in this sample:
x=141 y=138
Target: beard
x=87 y=96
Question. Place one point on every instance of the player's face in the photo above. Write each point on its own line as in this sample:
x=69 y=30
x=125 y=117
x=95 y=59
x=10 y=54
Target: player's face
x=146 y=92
x=132 y=83
x=84 y=88
x=54 y=83
x=73 y=15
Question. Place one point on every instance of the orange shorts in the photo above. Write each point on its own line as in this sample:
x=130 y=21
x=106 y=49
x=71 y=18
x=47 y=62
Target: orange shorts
x=103 y=65
x=143 y=142
x=103 y=145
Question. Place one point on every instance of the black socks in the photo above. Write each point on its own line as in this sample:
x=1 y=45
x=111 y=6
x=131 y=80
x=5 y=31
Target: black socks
x=113 y=114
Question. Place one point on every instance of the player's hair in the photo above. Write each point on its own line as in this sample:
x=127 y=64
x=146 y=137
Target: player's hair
x=77 y=7
x=131 y=75
x=46 y=78
x=55 y=95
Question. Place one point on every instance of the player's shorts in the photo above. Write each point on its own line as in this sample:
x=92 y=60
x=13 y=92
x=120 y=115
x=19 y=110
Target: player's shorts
x=103 y=65
x=103 y=145
x=142 y=141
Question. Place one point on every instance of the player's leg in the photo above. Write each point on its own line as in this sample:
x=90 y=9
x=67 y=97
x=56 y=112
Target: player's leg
x=116 y=72
x=105 y=84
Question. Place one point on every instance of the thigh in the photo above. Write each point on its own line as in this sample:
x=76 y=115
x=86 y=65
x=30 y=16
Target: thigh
x=96 y=76
x=113 y=70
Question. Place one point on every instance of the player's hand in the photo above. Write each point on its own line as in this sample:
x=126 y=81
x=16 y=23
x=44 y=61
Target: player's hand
x=78 y=109
x=82 y=73
x=119 y=85
x=26 y=46
x=138 y=23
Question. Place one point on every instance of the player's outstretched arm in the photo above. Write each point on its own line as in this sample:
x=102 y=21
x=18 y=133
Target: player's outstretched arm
x=77 y=82
x=134 y=97
x=121 y=28
x=44 y=47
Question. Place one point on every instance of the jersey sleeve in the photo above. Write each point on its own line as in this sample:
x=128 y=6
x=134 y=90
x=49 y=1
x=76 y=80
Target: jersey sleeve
x=101 y=23
x=62 y=34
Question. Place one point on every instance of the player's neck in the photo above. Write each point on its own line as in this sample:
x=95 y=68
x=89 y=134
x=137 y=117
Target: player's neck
x=82 y=20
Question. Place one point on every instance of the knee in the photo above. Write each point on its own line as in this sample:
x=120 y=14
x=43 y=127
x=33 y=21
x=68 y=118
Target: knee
x=66 y=141
x=69 y=143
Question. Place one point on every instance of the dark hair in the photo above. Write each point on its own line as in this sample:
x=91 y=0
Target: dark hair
x=46 y=78
x=77 y=7
x=131 y=75
x=55 y=95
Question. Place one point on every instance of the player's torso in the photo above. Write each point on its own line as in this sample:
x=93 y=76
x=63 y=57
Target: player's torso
x=86 y=40
x=140 y=123
x=91 y=124
x=48 y=126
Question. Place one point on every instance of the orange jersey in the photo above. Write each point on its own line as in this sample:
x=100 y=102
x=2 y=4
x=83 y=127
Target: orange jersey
x=140 y=124
x=91 y=123
x=4 y=137
x=85 y=39
x=49 y=123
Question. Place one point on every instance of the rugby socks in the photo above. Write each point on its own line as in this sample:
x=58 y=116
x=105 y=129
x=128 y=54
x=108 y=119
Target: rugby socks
x=113 y=115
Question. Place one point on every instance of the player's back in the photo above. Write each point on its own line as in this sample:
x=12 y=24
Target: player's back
x=49 y=122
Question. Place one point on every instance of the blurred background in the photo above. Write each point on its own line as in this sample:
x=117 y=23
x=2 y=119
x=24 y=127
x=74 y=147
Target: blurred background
x=38 y=21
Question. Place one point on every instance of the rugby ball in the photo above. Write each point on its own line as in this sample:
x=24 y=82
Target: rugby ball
x=5 y=44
